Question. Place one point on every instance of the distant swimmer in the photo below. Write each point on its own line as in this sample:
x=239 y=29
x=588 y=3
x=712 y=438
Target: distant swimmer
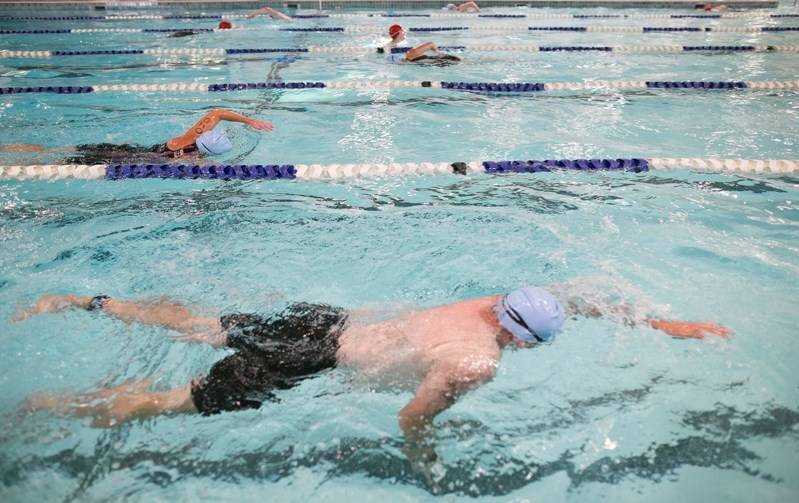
x=223 y=25
x=268 y=11
x=418 y=54
x=200 y=139
x=464 y=7
x=710 y=7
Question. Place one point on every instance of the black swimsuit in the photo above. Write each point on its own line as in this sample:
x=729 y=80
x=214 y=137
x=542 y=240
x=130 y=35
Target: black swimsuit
x=273 y=353
x=114 y=153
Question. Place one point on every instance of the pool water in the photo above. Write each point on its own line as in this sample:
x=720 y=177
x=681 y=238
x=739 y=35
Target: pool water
x=606 y=411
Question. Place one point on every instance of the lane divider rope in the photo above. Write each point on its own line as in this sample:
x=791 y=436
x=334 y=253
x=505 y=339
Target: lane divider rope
x=731 y=15
x=494 y=87
x=356 y=29
x=337 y=171
x=630 y=49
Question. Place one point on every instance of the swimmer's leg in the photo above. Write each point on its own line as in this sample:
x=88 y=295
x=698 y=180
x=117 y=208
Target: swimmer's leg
x=33 y=148
x=161 y=312
x=118 y=404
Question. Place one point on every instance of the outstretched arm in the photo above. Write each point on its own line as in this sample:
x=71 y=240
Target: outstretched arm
x=688 y=329
x=685 y=329
x=418 y=51
x=163 y=312
x=271 y=13
x=33 y=148
x=209 y=122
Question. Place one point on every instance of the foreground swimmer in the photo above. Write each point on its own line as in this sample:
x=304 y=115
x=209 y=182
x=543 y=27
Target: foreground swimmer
x=200 y=139
x=449 y=349
x=416 y=54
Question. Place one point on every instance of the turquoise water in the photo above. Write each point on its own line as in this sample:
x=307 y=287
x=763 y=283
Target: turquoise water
x=607 y=411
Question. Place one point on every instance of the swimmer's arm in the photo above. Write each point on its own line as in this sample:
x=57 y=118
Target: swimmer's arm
x=438 y=390
x=688 y=329
x=685 y=329
x=34 y=148
x=468 y=5
x=270 y=12
x=418 y=51
x=209 y=122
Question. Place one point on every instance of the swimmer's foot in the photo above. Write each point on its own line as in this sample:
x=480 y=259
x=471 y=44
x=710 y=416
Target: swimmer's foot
x=106 y=408
x=49 y=304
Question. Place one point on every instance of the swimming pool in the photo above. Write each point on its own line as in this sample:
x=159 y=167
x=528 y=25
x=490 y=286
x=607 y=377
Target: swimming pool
x=607 y=411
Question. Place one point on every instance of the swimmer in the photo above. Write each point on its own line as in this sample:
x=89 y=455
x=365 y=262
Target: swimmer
x=223 y=25
x=710 y=7
x=199 y=139
x=447 y=350
x=464 y=7
x=271 y=13
x=416 y=54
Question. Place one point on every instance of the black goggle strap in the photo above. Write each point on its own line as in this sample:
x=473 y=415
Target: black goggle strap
x=518 y=319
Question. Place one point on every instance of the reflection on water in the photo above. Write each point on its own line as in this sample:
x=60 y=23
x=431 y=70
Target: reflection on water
x=718 y=438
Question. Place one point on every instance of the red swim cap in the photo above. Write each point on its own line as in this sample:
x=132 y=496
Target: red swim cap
x=225 y=24
x=394 y=30
x=708 y=7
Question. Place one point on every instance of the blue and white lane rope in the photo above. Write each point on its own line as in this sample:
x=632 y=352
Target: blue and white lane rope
x=491 y=87
x=628 y=49
x=730 y=15
x=339 y=171
x=370 y=29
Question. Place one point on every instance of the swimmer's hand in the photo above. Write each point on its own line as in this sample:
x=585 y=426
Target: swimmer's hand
x=423 y=457
x=265 y=126
x=689 y=329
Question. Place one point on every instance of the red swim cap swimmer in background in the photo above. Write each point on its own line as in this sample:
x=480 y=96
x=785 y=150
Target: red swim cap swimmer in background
x=225 y=24
x=394 y=30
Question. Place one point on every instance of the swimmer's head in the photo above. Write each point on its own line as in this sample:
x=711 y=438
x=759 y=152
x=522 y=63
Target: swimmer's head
x=450 y=6
x=225 y=25
x=395 y=31
x=531 y=314
x=213 y=142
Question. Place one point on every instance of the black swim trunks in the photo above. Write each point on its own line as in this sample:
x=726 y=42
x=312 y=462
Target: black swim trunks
x=437 y=60
x=274 y=353
x=113 y=153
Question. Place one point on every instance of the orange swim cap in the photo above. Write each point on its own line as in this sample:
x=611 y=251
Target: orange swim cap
x=394 y=30
x=225 y=24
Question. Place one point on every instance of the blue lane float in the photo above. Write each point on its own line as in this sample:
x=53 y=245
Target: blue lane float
x=257 y=51
x=574 y=48
x=317 y=29
x=265 y=85
x=697 y=85
x=495 y=86
x=194 y=171
x=548 y=165
x=98 y=52
x=56 y=90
